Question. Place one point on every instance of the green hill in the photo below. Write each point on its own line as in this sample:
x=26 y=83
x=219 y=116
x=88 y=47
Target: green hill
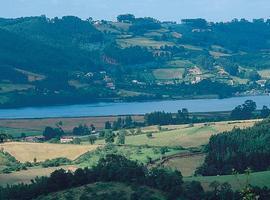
x=69 y=60
x=108 y=191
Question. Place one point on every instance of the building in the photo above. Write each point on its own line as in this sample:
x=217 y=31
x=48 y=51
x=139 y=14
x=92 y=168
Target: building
x=34 y=139
x=66 y=139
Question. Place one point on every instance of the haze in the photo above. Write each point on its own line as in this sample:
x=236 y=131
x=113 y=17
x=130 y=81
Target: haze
x=213 y=10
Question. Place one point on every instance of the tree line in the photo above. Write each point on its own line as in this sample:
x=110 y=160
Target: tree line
x=238 y=150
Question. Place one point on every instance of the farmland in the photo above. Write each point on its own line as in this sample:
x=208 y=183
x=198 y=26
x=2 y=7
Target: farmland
x=24 y=152
x=260 y=179
x=184 y=135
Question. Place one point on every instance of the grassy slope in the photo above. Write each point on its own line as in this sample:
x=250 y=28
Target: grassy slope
x=183 y=135
x=260 y=179
x=101 y=191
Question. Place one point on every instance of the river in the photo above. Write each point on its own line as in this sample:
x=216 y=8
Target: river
x=106 y=109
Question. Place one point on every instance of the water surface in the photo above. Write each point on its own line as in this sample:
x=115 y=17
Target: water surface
x=106 y=109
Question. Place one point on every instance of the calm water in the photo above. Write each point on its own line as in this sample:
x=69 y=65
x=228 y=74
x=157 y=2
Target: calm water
x=103 y=109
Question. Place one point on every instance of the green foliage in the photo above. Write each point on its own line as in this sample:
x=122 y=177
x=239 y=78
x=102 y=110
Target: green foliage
x=92 y=139
x=239 y=150
x=50 y=133
x=244 y=111
x=55 y=162
x=121 y=139
x=109 y=136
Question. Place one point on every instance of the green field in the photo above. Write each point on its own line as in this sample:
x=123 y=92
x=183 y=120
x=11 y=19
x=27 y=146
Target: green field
x=142 y=41
x=260 y=179
x=6 y=87
x=183 y=135
x=186 y=165
x=142 y=154
x=16 y=132
x=169 y=73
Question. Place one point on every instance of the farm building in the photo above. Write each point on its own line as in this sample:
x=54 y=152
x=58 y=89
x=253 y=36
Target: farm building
x=67 y=139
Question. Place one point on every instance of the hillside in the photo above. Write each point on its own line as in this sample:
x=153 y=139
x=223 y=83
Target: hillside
x=69 y=60
x=109 y=191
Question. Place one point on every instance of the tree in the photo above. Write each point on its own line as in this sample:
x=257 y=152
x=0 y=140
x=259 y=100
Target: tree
x=50 y=133
x=128 y=18
x=128 y=121
x=121 y=137
x=265 y=112
x=149 y=135
x=81 y=130
x=244 y=111
x=108 y=125
x=3 y=137
x=76 y=141
x=92 y=139
x=109 y=136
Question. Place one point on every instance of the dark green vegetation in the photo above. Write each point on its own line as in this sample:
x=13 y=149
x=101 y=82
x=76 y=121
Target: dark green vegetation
x=115 y=168
x=63 y=61
x=238 y=150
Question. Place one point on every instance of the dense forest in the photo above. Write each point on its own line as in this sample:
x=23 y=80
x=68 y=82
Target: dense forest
x=47 y=61
x=238 y=150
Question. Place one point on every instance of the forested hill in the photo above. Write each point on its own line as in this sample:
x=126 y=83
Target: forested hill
x=69 y=60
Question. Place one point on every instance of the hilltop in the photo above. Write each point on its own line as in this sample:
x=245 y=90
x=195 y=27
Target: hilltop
x=69 y=60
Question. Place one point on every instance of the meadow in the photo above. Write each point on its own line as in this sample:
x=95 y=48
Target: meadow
x=183 y=135
x=24 y=151
x=259 y=179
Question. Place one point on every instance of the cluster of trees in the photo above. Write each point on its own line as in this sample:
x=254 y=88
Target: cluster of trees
x=142 y=25
x=83 y=129
x=116 y=168
x=111 y=168
x=247 y=111
x=51 y=133
x=129 y=55
x=120 y=123
x=163 y=118
x=239 y=150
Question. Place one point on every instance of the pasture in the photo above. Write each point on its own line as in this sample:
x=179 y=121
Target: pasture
x=184 y=135
x=186 y=165
x=24 y=151
x=260 y=179
x=169 y=73
x=142 y=41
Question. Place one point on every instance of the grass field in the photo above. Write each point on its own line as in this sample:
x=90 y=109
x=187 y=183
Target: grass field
x=6 y=87
x=30 y=174
x=16 y=132
x=24 y=152
x=187 y=165
x=265 y=73
x=141 y=41
x=185 y=136
x=260 y=179
x=169 y=73
x=102 y=191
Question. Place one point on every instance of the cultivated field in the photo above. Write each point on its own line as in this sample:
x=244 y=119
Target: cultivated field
x=186 y=165
x=169 y=73
x=24 y=152
x=183 y=135
x=260 y=179
x=17 y=126
x=30 y=174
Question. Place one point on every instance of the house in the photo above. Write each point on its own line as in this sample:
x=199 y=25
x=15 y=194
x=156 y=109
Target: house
x=34 y=139
x=66 y=139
